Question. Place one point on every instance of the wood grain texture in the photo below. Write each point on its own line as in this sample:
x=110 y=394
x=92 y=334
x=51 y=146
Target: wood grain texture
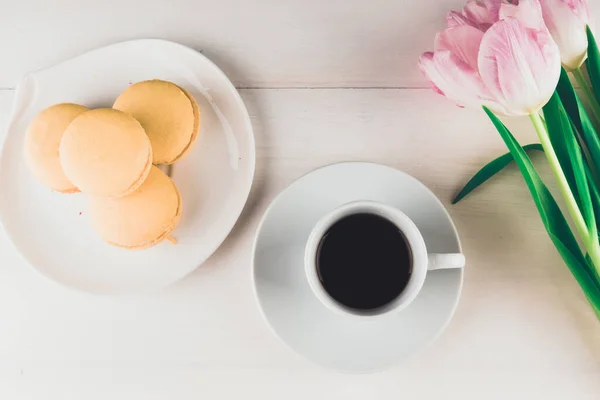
x=522 y=330
x=259 y=43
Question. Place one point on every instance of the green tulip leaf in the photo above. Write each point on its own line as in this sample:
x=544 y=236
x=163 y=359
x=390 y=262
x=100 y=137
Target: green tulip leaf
x=588 y=284
x=593 y=62
x=587 y=134
x=489 y=170
x=564 y=141
x=580 y=118
x=552 y=217
x=595 y=195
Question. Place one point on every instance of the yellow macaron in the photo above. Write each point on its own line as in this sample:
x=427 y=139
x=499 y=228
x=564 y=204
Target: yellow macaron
x=168 y=113
x=141 y=219
x=196 y=111
x=42 y=141
x=106 y=152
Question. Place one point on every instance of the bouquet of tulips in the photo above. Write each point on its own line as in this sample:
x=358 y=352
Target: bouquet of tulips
x=505 y=56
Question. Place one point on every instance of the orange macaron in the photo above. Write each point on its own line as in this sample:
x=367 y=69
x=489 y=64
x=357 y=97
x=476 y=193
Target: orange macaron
x=42 y=142
x=106 y=152
x=169 y=114
x=141 y=219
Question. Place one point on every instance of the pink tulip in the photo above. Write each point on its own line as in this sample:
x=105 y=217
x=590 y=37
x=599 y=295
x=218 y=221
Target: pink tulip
x=566 y=20
x=511 y=66
x=482 y=14
x=529 y=12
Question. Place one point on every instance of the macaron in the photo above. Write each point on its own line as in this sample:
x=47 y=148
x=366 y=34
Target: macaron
x=106 y=152
x=168 y=113
x=196 y=110
x=42 y=141
x=141 y=219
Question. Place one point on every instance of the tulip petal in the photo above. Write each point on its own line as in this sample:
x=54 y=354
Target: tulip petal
x=520 y=66
x=566 y=20
x=462 y=41
x=455 y=79
x=454 y=19
x=528 y=12
x=482 y=13
x=428 y=70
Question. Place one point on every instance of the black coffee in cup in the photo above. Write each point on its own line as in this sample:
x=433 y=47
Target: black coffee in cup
x=364 y=261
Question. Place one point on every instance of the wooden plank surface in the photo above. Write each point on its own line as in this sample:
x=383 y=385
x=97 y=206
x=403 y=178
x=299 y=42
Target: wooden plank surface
x=522 y=329
x=259 y=43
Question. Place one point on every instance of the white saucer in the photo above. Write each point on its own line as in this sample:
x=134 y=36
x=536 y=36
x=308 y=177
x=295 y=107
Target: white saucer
x=306 y=325
x=51 y=230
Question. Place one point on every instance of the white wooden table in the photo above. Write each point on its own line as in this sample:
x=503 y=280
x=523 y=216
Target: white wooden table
x=324 y=81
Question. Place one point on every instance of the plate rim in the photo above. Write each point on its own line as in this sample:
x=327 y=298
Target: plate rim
x=263 y=314
x=17 y=107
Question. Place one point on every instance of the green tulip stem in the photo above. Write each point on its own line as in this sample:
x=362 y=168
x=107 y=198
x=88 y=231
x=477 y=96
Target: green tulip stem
x=560 y=177
x=588 y=238
x=591 y=99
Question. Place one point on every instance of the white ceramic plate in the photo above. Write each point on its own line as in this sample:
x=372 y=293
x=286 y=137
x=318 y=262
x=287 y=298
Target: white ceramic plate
x=51 y=230
x=303 y=322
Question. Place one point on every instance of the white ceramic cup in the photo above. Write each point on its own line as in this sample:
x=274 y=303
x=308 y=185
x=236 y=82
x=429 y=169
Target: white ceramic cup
x=422 y=262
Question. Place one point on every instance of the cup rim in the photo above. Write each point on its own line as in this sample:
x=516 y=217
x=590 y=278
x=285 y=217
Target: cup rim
x=412 y=235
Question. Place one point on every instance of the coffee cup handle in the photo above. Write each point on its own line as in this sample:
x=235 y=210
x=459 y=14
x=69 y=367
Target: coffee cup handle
x=445 y=261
